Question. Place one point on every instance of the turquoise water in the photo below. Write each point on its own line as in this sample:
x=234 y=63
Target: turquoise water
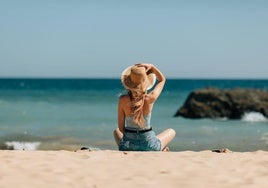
x=54 y=114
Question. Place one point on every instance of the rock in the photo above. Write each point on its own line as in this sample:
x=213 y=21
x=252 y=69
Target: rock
x=217 y=103
x=223 y=150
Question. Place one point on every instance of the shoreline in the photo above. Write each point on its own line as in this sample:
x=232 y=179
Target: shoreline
x=111 y=168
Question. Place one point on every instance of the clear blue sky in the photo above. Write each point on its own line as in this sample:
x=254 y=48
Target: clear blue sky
x=83 y=38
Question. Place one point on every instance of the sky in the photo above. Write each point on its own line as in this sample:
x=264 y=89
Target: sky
x=99 y=39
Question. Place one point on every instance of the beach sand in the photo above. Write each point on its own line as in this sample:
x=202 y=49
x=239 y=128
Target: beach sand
x=86 y=169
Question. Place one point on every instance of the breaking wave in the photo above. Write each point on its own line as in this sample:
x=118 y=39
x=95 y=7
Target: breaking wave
x=254 y=117
x=15 y=145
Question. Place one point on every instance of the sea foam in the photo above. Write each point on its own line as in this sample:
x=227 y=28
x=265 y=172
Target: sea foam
x=15 y=145
x=254 y=117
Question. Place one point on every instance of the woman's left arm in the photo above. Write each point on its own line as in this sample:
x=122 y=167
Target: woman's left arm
x=121 y=115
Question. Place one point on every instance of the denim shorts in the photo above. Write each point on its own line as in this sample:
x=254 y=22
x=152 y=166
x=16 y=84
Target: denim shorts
x=145 y=141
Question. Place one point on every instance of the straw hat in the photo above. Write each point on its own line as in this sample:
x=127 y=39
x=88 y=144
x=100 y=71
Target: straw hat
x=134 y=76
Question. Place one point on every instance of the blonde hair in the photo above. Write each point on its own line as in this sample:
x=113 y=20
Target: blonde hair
x=137 y=96
x=137 y=81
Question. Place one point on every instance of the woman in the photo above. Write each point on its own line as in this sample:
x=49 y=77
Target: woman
x=134 y=132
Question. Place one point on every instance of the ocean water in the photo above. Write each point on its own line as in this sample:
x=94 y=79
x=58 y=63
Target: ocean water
x=56 y=114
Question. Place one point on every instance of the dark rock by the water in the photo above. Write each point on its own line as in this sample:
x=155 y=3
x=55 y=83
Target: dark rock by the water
x=217 y=103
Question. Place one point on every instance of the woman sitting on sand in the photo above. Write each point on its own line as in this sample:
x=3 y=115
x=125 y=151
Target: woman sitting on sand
x=134 y=132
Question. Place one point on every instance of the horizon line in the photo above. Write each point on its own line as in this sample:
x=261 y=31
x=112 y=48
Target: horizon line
x=114 y=78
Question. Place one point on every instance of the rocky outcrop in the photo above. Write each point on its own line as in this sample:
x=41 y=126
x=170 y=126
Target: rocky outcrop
x=217 y=103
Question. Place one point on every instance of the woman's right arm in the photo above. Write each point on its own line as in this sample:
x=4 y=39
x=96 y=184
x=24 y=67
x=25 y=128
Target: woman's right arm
x=154 y=94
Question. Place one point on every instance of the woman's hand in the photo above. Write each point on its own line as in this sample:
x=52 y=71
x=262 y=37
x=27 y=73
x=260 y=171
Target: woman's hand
x=147 y=66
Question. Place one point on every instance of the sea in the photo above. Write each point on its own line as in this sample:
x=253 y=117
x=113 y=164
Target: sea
x=68 y=114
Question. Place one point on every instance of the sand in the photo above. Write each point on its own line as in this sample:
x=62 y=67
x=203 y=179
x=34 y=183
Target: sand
x=86 y=169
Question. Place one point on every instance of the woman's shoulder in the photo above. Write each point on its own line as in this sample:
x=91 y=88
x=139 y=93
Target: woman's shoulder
x=124 y=97
x=149 y=98
x=124 y=103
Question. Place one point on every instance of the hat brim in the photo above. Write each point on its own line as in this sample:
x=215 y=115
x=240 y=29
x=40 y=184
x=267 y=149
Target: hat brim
x=151 y=78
